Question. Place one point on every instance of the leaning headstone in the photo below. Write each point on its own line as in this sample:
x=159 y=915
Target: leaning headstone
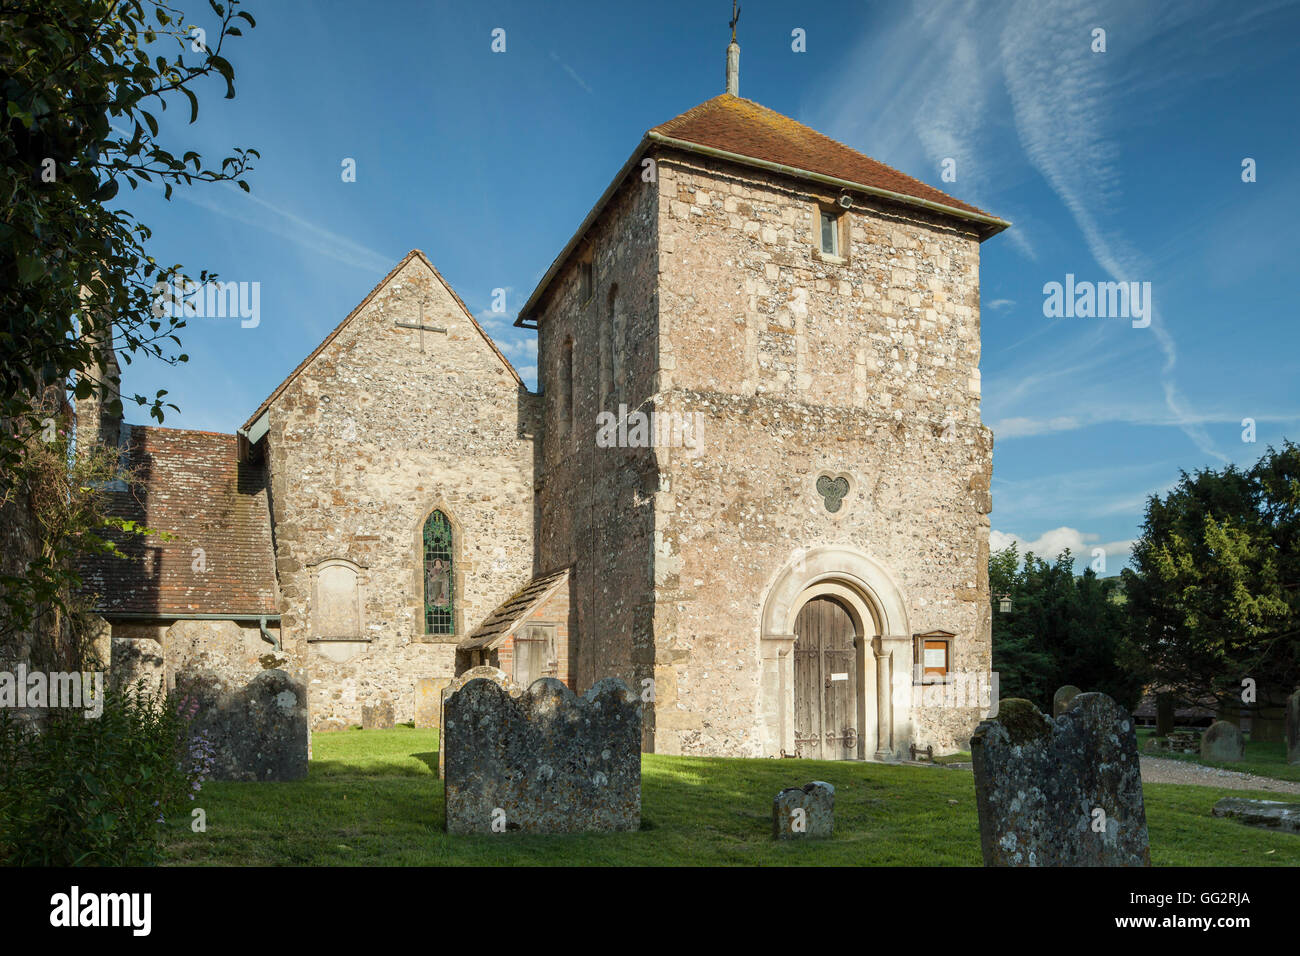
x=545 y=761
x=1293 y=728
x=1269 y=814
x=256 y=731
x=1222 y=742
x=377 y=716
x=1063 y=792
x=1165 y=714
x=428 y=701
x=804 y=813
x=1062 y=698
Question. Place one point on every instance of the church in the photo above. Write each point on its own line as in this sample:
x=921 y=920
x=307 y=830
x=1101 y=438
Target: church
x=791 y=561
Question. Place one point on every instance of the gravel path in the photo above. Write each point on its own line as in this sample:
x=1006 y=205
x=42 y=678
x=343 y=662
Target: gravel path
x=1162 y=770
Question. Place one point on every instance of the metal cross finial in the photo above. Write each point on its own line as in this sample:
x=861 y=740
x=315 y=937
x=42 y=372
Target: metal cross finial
x=735 y=16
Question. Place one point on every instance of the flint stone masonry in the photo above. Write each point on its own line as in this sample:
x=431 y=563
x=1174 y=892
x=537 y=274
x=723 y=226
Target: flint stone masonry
x=855 y=366
x=804 y=813
x=1293 y=728
x=377 y=716
x=258 y=730
x=1062 y=698
x=1038 y=783
x=1222 y=741
x=372 y=435
x=543 y=760
x=1268 y=814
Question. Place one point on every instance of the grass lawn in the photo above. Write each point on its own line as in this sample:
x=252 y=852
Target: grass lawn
x=373 y=799
x=1262 y=758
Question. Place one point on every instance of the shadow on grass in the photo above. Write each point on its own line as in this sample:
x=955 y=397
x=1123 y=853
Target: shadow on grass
x=430 y=760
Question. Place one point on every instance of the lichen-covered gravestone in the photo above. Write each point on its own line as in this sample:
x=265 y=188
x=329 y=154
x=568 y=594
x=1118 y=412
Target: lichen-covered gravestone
x=1293 y=728
x=542 y=760
x=256 y=731
x=1222 y=742
x=1267 y=814
x=804 y=813
x=1062 y=698
x=377 y=715
x=1062 y=792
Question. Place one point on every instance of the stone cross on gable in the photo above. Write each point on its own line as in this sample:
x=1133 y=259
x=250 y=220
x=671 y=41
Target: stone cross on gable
x=421 y=326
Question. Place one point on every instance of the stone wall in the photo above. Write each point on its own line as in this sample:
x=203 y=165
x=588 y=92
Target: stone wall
x=595 y=505
x=162 y=651
x=864 y=368
x=365 y=441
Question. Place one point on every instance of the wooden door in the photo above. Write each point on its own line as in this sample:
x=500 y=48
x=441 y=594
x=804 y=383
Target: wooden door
x=534 y=652
x=825 y=682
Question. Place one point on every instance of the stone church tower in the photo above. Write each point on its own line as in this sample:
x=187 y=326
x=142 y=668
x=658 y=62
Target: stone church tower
x=806 y=570
x=754 y=483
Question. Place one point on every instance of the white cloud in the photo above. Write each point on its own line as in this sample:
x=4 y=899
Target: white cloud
x=1051 y=543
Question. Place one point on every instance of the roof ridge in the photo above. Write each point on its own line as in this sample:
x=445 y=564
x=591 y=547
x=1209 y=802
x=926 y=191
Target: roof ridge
x=414 y=253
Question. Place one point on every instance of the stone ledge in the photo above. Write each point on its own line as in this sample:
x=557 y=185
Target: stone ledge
x=437 y=639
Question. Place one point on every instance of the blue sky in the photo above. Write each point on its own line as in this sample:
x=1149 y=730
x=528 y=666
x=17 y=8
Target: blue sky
x=1117 y=166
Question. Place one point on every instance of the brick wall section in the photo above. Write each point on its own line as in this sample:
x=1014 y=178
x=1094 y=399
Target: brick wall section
x=365 y=440
x=554 y=611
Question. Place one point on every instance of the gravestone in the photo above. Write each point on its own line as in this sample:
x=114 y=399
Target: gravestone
x=1165 y=714
x=804 y=813
x=1293 y=728
x=1062 y=792
x=1222 y=742
x=255 y=731
x=377 y=715
x=541 y=761
x=1268 y=814
x=482 y=671
x=428 y=701
x=1062 y=698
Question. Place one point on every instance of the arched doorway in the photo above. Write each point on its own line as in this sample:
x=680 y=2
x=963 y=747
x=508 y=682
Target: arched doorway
x=868 y=593
x=826 y=669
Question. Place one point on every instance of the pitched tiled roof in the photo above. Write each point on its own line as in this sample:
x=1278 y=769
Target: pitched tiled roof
x=736 y=125
x=361 y=305
x=742 y=131
x=190 y=484
x=502 y=622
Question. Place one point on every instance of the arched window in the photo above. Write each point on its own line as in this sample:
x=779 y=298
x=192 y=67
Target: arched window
x=439 y=582
x=567 y=409
x=618 y=350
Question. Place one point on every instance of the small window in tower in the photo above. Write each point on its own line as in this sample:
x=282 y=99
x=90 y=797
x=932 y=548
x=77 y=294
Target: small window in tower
x=830 y=231
x=585 y=281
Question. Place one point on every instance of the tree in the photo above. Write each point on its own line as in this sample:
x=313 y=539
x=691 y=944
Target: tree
x=1061 y=629
x=80 y=82
x=1214 y=587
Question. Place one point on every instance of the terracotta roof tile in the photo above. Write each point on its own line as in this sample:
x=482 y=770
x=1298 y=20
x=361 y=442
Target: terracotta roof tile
x=742 y=126
x=192 y=485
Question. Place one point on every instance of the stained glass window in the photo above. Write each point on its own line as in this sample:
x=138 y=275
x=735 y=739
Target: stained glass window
x=439 y=584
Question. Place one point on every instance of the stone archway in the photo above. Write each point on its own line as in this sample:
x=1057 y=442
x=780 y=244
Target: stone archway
x=876 y=605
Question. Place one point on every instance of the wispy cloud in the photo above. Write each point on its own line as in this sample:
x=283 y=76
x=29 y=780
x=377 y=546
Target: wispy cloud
x=571 y=71
x=252 y=210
